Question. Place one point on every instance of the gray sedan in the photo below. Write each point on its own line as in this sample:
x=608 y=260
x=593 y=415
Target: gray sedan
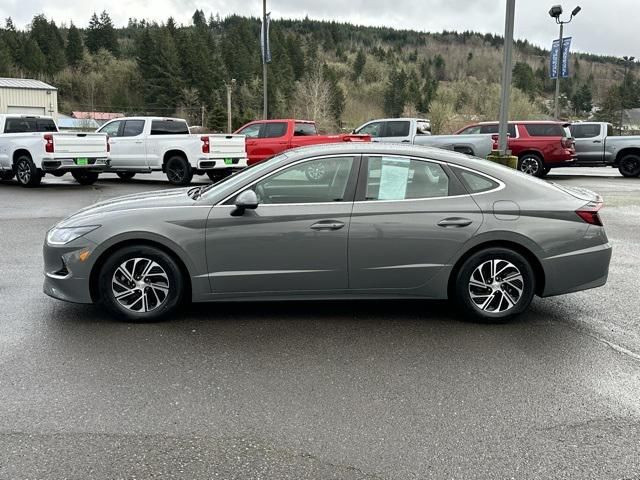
x=373 y=221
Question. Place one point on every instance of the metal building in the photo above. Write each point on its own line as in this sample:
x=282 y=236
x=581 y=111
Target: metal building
x=23 y=95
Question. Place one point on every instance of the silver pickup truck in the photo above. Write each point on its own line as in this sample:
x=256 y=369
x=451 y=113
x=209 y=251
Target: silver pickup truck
x=417 y=131
x=596 y=146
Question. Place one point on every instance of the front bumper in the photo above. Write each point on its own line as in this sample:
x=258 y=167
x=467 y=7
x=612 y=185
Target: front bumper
x=221 y=164
x=67 y=270
x=69 y=164
x=575 y=271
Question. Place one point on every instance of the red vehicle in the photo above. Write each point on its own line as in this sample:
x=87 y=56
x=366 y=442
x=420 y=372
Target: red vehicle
x=539 y=145
x=267 y=138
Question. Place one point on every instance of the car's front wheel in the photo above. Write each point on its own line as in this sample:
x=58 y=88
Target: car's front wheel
x=629 y=165
x=179 y=171
x=140 y=283
x=494 y=284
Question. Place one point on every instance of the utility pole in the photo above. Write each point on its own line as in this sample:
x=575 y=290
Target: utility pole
x=506 y=77
x=264 y=58
x=555 y=12
x=202 y=115
x=229 y=88
x=627 y=62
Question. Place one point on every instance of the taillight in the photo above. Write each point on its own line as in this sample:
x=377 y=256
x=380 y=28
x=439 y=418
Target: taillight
x=205 y=144
x=589 y=213
x=567 y=142
x=48 y=143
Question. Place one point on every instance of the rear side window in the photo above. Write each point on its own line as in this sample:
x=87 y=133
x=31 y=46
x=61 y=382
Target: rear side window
x=132 y=128
x=544 y=130
x=394 y=178
x=274 y=129
x=397 y=129
x=303 y=129
x=169 y=127
x=475 y=182
x=29 y=125
x=494 y=129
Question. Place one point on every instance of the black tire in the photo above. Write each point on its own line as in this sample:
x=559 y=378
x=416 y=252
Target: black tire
x=531 y=164
x=126 y=175
x=178 y=170
x=217 y=175
x=26 y=172
x=545 y=171
x=7 y=175
x=629 y=165
x=500 y=291
x=85 y=178
x=160 y=306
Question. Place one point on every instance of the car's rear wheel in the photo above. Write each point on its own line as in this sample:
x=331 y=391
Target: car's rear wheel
x=126 y=175
x=316 y=172
x=85 y=178
x=140 y=283
x=629 y=165
x=494 y=284
x=179 y=172
x=217 y=175
x=26 y=172
x=531 y=164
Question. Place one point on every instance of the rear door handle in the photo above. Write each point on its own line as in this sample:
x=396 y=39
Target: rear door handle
x=597 y=141
x=455 y=222
x=327 y=225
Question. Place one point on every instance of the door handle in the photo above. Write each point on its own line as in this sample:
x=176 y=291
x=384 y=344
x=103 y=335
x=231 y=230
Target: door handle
x=455 y=222
x=138 y=141
x=597 y=141
x=327 y=225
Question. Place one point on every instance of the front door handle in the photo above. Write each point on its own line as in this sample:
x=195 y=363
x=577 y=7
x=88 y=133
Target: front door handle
x=597 y=141
x=455 y=222
x=327 y=225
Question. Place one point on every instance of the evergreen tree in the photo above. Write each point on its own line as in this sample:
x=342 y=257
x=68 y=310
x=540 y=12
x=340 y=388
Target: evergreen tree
x=109 y=39
x=439 y=67
x=395 y=94
x=6 y=61
x=524 y=78
x=94 y=35
x=49 y=40
x=75 y=49
x=582 y=100
x=31 y=57
x=358 y=65
x=337 y=98
x=296 y=56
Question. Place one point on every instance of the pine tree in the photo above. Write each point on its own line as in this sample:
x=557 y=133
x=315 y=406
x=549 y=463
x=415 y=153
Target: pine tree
x=109 y=40
x=31 y=57
x=75 y=49
x=49 y=40
x=358 y=65
x=439 y=66
x=94 y=34
x=395 y=94
x=524 y=78
x=6 y=61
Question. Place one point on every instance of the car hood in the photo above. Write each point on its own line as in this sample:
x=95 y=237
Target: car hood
x=147 y=200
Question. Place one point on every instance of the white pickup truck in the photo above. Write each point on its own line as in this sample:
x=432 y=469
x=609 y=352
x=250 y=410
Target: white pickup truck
x=31 y=146
x=147 y=144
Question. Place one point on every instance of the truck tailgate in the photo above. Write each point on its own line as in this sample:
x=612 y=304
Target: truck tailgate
x=227 y=146
x=80 y=145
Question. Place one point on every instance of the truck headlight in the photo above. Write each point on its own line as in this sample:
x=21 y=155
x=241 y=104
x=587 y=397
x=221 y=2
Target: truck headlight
x=62 y=236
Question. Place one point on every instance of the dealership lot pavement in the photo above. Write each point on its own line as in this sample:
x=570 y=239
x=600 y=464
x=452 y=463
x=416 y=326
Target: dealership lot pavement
x=344 y=390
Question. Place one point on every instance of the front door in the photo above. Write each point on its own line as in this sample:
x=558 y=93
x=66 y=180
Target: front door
x=410 y=219
x=295 y=241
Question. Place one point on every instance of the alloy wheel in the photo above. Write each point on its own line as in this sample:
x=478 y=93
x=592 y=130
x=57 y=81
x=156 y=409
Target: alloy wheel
x=529 y=165
x=24 y=172
x=316 y=172
x=496 y=286
x=140 y=285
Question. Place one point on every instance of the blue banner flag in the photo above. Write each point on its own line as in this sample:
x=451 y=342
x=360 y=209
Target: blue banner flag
x=555 y=51
x=266 y=51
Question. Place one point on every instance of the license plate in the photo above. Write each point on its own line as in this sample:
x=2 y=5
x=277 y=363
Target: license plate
x=228 y=161
x=82 y=161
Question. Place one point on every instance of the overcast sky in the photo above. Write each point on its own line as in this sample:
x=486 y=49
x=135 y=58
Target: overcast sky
x=599 y=28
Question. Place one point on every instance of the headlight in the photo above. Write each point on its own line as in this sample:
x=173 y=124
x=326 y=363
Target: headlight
x=62 y=236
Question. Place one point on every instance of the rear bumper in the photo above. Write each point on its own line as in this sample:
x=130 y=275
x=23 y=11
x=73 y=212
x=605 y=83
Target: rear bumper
x=568 y=161
x=220 y=163
x=98 y=164
x=575 y=271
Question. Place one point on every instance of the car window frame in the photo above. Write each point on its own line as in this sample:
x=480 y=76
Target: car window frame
x=120 y=124
x=124 y=126
x=387 y=126
x=265 y=126
x=350 y=190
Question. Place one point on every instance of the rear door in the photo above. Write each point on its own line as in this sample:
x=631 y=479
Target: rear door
x=410 y=218
x=589 y=139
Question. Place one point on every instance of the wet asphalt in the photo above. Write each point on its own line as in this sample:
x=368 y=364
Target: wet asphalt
x=316 y=390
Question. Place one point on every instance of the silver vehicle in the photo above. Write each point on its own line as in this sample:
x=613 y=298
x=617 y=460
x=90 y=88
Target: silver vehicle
x=597 y=145
x=417 y=131
x=389 y=221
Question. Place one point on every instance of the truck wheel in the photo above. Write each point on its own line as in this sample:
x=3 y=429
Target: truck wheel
x=7 y=175
x=126 y=175
x=85 y=178
x=545 y=171
x=26 y=172
x=629 y=165
x=531 y=164
x=217 y=175
x=179 y=171
x=316 y=172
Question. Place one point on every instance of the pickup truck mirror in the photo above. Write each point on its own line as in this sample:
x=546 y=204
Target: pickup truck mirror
x=246 y=200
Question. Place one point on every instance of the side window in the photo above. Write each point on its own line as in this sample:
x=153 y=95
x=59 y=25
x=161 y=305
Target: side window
x=397 y=129
x=251 y=131
x=374 y=129
x=475 y=182
x=303 y=129
x=132 y=128
x=493 y=128
x=112 y=129
x=169 y=127
x=472 y=130
x=274 y=129
x=585 y=131
x=511 y=130
x=313 y=181
x=392 y=178
x=544 y=130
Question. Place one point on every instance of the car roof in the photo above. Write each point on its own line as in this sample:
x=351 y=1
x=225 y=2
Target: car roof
x=513 y=122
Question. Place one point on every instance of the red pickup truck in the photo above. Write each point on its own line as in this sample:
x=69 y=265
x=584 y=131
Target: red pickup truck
x=266 y=138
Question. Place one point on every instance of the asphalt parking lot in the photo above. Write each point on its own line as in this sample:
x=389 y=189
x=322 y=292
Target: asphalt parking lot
x=336 y=390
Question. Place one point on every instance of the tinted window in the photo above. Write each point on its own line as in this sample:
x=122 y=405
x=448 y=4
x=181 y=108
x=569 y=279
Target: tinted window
x=374 y=129
x=29 y=125
x=274 y=129
x=494 y=129
x=474 y=129
x=476 y=183
x=397 y=129
x=112 y=129
x=169 y=127
x=322 y=180
x=585 y=130
x=251 y=131
x=392 y=178
x=304 y=129
x=132 y=128
x=544 y=130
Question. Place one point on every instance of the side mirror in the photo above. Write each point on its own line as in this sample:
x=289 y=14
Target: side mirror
x=246 y=200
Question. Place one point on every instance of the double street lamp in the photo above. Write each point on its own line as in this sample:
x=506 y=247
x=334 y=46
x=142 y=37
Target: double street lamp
x=555 y=12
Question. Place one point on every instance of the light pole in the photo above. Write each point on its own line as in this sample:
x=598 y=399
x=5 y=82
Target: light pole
x=628 y=61
x=506 y=76
x=265 y=39
x=229 y=88
x=555 y=12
